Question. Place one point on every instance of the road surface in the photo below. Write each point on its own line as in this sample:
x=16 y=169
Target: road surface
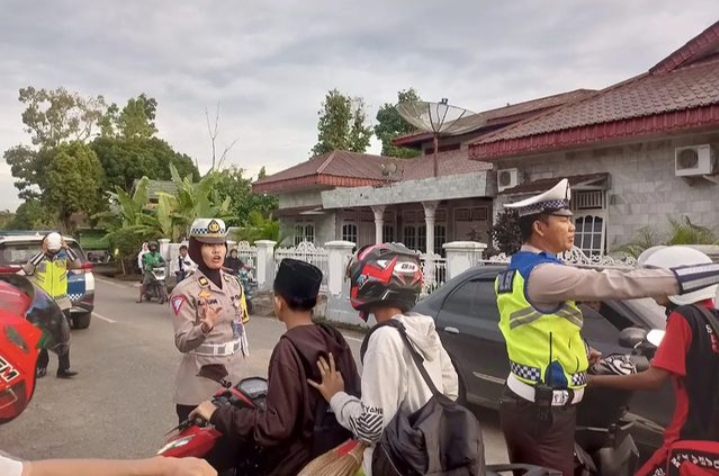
x=119 y=406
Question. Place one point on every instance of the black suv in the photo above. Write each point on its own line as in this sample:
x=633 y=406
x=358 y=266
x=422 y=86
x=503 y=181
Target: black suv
x=467 y=319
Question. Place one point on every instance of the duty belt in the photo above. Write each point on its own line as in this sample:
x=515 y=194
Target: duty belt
x=535 y=375
x=218 y=350
x=559 y=397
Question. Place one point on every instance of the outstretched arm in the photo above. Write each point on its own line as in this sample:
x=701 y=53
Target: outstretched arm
x=146 y=467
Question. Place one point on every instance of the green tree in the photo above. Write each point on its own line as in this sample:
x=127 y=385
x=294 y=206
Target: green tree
x=33 y=215
x=135 y=121
x=231 y=183
x=73 y=181
x=23 y=166
x=506 y=234
x=391 y=125
x=123 y=222
x=126 y=160
x=342 y=125
x=55 y=116
x=260 y=227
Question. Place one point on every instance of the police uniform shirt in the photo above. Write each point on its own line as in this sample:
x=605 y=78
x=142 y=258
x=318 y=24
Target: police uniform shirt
x=551 y=284
x=185 y=300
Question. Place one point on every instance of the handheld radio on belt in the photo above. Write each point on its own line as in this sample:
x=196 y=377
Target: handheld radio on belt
x=544 y=393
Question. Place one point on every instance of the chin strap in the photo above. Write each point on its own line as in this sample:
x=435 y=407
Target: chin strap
x=694 y=277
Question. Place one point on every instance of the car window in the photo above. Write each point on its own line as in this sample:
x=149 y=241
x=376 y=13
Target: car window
x=473 y=298
x=597 y=327
x=20 y=252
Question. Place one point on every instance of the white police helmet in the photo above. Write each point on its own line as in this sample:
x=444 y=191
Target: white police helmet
x=54 y=242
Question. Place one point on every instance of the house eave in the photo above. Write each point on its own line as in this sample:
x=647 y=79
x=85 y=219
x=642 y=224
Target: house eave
x=696 y=119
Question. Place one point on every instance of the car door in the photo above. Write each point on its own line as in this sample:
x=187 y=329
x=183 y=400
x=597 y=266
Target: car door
x=468 y=322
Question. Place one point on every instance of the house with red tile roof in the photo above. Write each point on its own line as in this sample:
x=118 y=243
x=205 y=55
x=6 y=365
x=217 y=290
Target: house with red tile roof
x=366 y=198
x=635 y=152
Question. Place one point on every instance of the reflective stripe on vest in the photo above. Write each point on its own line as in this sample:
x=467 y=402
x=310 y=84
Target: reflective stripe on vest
x=528 y=332
x=51 y=276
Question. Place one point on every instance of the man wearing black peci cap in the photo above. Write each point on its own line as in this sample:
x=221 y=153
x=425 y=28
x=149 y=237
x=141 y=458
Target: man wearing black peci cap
x=288 y=429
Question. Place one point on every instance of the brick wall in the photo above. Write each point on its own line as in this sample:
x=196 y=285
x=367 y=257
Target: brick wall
x=643 y=188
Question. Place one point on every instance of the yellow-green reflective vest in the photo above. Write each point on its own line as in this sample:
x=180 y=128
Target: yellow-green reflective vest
x=542 y=346
x=51 y=276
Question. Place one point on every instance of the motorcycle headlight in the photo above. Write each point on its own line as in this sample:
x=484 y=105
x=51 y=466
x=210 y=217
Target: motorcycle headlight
x=175 y=444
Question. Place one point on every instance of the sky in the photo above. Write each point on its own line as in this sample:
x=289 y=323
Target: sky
x=269 y=64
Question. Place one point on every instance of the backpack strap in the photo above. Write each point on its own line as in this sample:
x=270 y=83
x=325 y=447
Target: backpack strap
x=709 y=317
x=418 y=360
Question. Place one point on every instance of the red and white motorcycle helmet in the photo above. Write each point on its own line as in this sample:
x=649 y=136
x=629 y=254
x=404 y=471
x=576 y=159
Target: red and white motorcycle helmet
x=387 y=274
x=29 y=320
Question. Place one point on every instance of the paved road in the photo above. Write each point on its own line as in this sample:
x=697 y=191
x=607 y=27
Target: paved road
x=119 y=406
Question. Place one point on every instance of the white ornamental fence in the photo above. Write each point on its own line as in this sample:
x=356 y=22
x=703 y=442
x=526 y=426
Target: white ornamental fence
x=333 y=257
x=306 y=251
x=577 y=257
x=247 y=253
x=434 y=270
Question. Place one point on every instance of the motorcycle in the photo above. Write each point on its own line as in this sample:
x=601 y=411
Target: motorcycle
x=157 y=288
x=603 y=443
x=198 y=438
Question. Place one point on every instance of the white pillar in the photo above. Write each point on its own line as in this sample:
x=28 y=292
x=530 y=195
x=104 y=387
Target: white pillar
x=230 y=244
x=265 y=264
x=165 y=248
x=378 y=211
x=430 y=208
x=462 y=255
x=339 y=254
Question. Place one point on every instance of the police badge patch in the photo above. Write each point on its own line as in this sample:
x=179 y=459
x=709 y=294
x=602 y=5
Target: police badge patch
x=177 y=303
x=213 y=227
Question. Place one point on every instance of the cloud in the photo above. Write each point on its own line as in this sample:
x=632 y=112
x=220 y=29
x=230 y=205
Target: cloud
x=270 y=64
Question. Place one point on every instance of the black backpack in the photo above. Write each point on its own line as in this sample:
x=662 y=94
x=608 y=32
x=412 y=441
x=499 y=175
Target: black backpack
x=442 y=438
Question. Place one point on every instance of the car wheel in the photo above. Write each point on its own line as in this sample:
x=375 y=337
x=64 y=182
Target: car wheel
x=81 y=320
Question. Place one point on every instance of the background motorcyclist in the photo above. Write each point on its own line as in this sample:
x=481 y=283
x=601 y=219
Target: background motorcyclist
x=184 y=264
x=688 y=355
x=233 y=262
x=150 y=260
x=21 y=333
x=48 y=269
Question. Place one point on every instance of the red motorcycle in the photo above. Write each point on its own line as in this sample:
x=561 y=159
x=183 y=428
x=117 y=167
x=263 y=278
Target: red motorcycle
x=198 y=438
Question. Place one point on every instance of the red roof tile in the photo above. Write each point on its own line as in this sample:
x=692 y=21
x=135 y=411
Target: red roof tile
x=454 y=162
x=645 y=95
x=506 y=114
x=333 y=169
x=701 y=45
x=679 y=93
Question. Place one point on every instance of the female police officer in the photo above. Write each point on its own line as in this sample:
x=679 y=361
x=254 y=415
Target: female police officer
x=209 y=313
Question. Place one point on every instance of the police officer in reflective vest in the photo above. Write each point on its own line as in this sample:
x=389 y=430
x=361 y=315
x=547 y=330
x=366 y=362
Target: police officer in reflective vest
x=542 y=324
x=49 y=270
x=210 y=314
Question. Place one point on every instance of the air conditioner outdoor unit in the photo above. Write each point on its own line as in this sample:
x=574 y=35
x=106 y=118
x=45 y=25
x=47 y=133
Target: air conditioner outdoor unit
x=508 y=178
x=694 y=161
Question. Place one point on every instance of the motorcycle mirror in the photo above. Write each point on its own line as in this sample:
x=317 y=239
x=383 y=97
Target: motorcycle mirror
x=631 y=337
x=655 y=337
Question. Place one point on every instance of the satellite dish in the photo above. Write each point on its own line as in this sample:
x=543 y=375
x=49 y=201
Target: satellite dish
x=440 y=119
x=388 y=169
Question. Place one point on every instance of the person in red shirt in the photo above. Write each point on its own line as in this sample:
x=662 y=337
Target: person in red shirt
x=688 y=355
